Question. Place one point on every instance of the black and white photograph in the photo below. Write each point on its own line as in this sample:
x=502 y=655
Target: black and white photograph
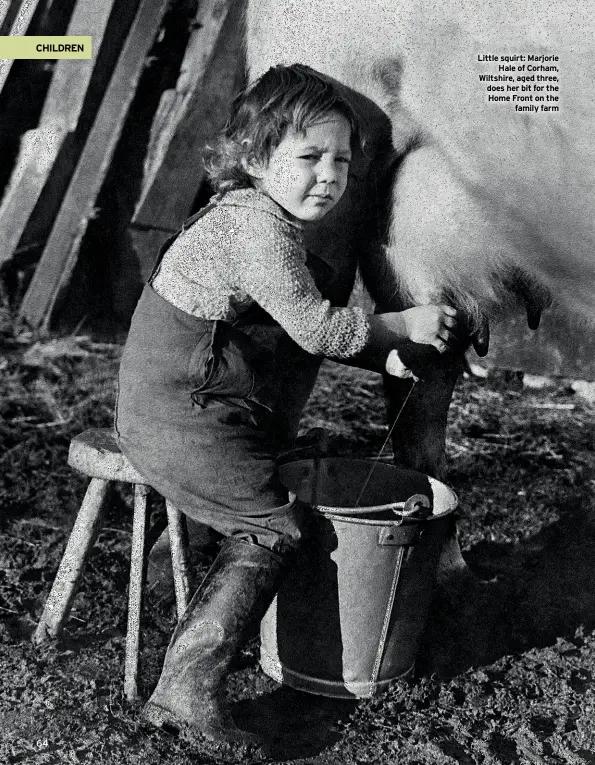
x=297 y=382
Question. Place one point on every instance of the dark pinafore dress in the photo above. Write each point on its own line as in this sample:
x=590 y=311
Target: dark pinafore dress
x=203 y=408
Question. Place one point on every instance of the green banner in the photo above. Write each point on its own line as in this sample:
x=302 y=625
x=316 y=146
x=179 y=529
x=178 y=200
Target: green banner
x=45 y=46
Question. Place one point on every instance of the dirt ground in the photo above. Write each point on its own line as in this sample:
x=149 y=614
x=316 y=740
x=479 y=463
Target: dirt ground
x=505 y=673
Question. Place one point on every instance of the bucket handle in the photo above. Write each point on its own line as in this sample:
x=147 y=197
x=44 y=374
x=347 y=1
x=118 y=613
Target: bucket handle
x=417 y=507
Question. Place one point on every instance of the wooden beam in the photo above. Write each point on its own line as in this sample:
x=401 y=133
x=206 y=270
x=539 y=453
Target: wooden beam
x=15 y=15
x=55 y=267
x=39 y=153
x=19 y=26
x=6 y=10
x=187 y=117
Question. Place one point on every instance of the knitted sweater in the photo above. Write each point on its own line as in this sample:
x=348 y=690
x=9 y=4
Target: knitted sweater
x=247 y=250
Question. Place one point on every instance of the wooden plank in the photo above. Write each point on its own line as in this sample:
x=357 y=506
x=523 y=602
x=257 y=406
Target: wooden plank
x=7 y=9
x=190 y=114
x=19 y=27
x=16 y=15
x=187 y=106
x=55 y=267
x=41 y=147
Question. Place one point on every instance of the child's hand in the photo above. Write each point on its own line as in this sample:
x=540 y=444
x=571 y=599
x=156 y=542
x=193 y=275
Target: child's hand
x=431 y=325
x=399 y=340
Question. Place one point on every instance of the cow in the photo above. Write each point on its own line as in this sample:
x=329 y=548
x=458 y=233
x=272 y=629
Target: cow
x=463 y=193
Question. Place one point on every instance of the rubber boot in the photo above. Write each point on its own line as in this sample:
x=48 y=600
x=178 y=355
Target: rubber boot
x=227 y=607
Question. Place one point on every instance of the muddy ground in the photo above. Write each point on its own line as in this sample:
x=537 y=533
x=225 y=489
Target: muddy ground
x=505 y=674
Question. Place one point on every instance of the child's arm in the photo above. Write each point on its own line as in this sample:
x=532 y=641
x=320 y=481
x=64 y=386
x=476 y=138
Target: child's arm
x=274 y=274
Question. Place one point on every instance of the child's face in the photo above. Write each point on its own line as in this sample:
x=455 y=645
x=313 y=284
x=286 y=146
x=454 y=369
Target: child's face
x=307 y=173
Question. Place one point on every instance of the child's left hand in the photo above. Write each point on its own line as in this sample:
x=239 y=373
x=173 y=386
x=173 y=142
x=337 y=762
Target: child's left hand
x=431 y=325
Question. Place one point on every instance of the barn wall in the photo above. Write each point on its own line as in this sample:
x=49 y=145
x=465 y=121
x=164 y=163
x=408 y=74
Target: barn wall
x=107 y=279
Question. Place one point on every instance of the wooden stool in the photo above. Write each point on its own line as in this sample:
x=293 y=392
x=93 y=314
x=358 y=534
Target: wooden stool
x=96 y=454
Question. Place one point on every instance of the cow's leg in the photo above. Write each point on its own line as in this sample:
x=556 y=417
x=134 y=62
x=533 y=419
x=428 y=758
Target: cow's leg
x=418 y=441
x=433 y=221
x=436 y=228
x=419 y=434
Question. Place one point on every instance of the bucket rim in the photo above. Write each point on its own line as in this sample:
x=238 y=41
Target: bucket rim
x=336 y=513
x=390 y=507
x=339 y=511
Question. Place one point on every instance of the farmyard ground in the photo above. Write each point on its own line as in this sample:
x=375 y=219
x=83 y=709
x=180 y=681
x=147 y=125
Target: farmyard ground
x=506 y=670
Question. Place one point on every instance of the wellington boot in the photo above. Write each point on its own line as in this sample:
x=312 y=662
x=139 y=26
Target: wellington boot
x=227 y=607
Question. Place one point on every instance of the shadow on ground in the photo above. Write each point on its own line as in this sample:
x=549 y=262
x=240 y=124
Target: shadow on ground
x=523 y=596
x=295 y=725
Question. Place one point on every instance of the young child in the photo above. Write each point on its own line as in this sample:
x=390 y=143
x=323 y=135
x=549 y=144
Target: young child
x=210 y=337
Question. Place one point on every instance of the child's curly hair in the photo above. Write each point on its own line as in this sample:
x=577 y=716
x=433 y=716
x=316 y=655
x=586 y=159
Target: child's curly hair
x=284 y=96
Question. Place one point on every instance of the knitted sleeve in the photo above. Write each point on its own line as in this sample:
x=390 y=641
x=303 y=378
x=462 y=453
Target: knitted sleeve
x=274 y=274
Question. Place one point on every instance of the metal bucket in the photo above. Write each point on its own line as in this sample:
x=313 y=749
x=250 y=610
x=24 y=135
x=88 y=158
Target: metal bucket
x=348 y=617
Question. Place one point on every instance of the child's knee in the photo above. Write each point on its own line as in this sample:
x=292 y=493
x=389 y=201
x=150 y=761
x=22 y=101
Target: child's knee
x=289 y=526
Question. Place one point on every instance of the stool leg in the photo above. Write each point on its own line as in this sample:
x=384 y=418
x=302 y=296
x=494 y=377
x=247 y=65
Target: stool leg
x=179 y=559
x=135 y=592
x=59 y=602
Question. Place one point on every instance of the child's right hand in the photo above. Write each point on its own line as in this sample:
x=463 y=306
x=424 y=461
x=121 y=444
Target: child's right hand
x=431 y=325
